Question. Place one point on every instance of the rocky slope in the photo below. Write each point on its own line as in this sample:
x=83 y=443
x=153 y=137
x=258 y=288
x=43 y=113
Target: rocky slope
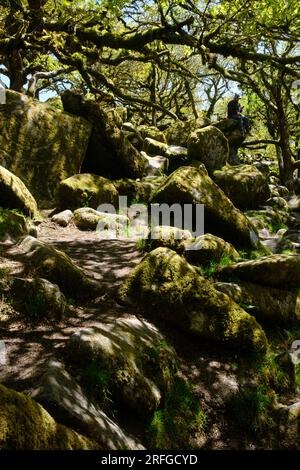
x=119 y=333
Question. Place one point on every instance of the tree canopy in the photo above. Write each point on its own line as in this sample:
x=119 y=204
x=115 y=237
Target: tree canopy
x=160 y=57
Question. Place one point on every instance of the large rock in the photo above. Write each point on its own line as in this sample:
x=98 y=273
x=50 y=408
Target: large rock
x=152 y=132
x=169 y=237
x=177 y=156
x=133 y=135
x=26 y=425
x=41 y=144
x=245 y=185
x=154 y=147
x=38 y=299
x=134 y=190
x=63 y=218
x=178 y=132
x=57 y=267
x=156 y=166
x=86 y=189
x=64 y=398
x=189 y=185
x=234 y=135
x=134 y=357
x=209 y=146
x=274 y=270
x=109 y=151
x=208 y=248
x=14 y=194
x=165 y=285
x=12 y=225
x=269 y=305
x=87 y=218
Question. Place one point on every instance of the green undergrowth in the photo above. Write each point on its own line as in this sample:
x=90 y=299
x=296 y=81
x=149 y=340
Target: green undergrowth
x=271 y=378
x=254 y=254
x=12 y=223
x=181 y=416
x=209 y=269
x=96 y=382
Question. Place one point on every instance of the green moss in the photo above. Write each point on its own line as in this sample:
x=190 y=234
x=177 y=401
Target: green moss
x=255 y=254
x=277 y=372
x=41 y=144
x=96 y=381
x=273 y=220
x=26 y=425
x=166 y=284
x=84 y=190
x=173 y=425
x=189 y=185
x=12 y=224
x=251 y=408
x=210 y=268
x=57 y=267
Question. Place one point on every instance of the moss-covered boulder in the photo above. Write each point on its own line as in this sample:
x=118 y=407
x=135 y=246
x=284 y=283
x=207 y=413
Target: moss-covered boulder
x=26 y=425
x=278 y=202
x=208 y=248
x=152 y=132
x=154 y=147
x=209 y=146
x=133 y=135
x=169 y=237
x=190 y=185
x=37 y=299
x=270 y=306
x=87 y=218
x=178 y=132
x=12 y=225
x=270 y=218
x=274 y=270
x=109 y=152
x=57 y=267
x=177 y=156
x=63 y=218
x=86 y=190
x=234 y=135
x=164 y=284
x=134 y=190
x=14 y=194
x=41 y=144
x=63 y=397
x=133 y=357
x=245 y=185
x=156 y=166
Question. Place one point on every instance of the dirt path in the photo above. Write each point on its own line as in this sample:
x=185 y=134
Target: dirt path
x=29 y=347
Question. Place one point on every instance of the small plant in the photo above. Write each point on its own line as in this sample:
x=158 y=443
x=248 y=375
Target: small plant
x=35 y=306
x=254 y=254
x=172 y=426
x=210 y=269
x=251 y=408
x=142 y=244
x=96 y=381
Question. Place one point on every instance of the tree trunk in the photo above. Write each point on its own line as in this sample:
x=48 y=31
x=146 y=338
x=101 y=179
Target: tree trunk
x=286 y=167
x=15 y=69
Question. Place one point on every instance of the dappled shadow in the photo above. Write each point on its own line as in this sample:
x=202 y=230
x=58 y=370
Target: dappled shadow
x=29 y=347
x=108 y=261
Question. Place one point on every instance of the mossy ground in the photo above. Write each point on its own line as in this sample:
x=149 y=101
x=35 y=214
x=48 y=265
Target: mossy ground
x=181 y=416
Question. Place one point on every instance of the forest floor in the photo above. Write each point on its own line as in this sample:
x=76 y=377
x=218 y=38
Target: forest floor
x=212 y=373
